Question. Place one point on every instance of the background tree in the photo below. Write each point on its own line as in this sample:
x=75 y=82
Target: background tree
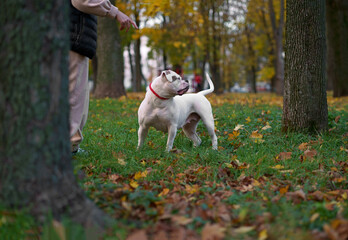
x=36 y=169
x=337 y=39
x=277 y=30
x=305 y=105
x=110 y=74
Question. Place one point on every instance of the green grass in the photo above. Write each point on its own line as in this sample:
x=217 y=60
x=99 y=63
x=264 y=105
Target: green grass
x=262 y=185
x=243 y=184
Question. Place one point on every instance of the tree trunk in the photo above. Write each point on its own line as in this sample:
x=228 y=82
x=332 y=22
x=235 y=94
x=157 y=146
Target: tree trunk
x=337 y=39
x=251 y=71
x=137 y=59
x=110 y=60
x=95 y=72
x=278 y=37
x=130 y=58
x=305 y=105
x=216 y=41
x=36 y=169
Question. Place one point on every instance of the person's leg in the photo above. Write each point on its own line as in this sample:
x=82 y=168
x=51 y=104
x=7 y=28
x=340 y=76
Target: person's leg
x=78 y=97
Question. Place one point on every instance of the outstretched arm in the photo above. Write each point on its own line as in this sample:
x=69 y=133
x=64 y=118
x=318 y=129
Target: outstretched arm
x=104 y=8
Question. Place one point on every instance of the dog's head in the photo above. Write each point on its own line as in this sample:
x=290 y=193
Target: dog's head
x=173 y=83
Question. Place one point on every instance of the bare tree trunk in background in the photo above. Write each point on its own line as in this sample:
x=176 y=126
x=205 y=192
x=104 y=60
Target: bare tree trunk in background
x=138 y=73
x=95 y=72
x=138 y=70
x=130 y=58
x=36 y=171
x=337 y=39
x=305 y=105
x=204 y=10
x=216 y=40
x=110 y=60
x=251 y=71
x=278 y=38
x=271 y=50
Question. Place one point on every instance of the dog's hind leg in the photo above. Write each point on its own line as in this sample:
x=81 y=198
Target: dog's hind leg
x=190 y=129
x=209 y=124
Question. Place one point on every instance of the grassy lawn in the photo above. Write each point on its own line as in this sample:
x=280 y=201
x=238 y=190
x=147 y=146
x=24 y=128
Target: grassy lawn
x=260 y=184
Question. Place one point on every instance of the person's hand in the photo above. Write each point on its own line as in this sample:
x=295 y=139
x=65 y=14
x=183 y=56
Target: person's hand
x=125 y=21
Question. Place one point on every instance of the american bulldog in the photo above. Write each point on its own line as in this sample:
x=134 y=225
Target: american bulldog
x=166 y=108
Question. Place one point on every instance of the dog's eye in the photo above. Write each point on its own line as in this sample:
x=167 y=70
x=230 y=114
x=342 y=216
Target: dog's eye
x=174 y=78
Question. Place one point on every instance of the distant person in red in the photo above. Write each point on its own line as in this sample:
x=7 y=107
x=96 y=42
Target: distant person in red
x=178 y=70
x=198 y=82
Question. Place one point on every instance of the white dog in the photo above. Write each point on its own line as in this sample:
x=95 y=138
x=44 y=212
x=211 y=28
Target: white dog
x=167 y=112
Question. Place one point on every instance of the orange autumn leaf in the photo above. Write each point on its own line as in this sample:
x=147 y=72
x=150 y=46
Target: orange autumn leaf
x=284 y=156
x=233 y=135
x=303 y=146
x=192 y=189
x=310 y=153
x=164 y=192
x=255 y=134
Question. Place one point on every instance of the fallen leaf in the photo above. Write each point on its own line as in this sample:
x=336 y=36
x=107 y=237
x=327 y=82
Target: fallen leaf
x=213 y=232
x=192 y=189
x=284 y=190
x=255 y=134
x=310 y=154
x=239 y=126
x=266 y=127
x=161 y=235
x=303 y=146
x=164 y=192
x=138 y=235
x=134 y=184
x=330 y=232
x=243 y=229
x=296 y=196
x=233 y=135
x=140 y=175
x=60 y=229
x=181 y=220
x=284 y=155
x=337 y=119
x=277 y=167
x=314 y=217
x=121 y=161
x=263 y=235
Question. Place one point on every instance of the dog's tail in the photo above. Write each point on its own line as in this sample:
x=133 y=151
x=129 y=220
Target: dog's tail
x=211 y=86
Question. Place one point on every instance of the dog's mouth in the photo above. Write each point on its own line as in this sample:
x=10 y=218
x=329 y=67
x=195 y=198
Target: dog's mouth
x=182 y=91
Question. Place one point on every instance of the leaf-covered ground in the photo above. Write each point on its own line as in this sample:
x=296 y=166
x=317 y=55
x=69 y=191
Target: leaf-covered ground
x=260 y=184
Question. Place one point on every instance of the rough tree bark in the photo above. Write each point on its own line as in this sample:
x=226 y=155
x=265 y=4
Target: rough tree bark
x=110 y=60
x=337 y=40
x=36 y=169
x=305 y=105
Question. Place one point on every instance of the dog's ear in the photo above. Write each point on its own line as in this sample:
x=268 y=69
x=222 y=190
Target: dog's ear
x=170 y=75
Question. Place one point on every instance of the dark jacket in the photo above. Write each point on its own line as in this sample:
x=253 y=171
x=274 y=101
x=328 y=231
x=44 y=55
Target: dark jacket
x=83 y=32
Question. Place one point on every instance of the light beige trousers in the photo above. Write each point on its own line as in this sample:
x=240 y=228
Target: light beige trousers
x=78 y=97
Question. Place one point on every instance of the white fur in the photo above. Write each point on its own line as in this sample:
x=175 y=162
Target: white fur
x=176 y=112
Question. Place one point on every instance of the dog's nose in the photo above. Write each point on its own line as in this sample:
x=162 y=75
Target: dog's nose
x=186 y=80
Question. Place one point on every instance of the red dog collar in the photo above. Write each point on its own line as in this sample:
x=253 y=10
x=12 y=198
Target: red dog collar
x=153 y=91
